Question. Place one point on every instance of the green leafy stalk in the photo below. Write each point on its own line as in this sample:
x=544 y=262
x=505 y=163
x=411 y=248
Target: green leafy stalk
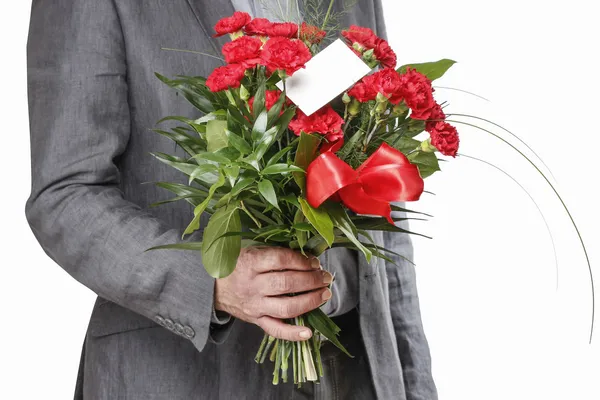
x=589 y=265
x=534 y=202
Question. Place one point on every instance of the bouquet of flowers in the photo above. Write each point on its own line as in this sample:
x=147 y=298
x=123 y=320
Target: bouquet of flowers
x=270 y=174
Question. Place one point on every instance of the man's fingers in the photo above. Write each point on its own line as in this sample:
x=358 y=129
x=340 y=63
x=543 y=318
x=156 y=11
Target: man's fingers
x=286 y=282
x=293 y=306
x=280 y=330
x=279 y=258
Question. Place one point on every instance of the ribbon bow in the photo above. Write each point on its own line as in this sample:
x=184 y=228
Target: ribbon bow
x=386 y=176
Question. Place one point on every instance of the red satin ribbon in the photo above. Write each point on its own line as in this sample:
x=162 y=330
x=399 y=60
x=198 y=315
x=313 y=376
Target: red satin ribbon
x=385 y=177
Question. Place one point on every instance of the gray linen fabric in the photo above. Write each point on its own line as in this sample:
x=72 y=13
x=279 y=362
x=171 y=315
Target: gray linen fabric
x=93 y=98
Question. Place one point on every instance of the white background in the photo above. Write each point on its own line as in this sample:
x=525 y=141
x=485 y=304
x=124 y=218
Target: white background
x=497 y=325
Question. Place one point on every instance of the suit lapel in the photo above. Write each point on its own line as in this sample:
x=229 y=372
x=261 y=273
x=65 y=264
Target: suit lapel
x=208 y=13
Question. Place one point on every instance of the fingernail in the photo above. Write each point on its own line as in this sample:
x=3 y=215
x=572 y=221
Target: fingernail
x=315 y=263
x=327 y=277
x=326 y=295
x=305 y=334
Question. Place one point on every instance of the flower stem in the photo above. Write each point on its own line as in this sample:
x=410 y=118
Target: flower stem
x=261 y=348
x=326 y=19
x=266 y=351
x=277 y=351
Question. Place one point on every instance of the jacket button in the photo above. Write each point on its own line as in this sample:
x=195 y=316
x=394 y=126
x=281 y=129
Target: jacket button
x=160 y=320
x=188 y=332
x=169 y=324
x=179 y=328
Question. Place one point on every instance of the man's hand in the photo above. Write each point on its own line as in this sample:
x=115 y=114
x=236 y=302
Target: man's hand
x=257 y=291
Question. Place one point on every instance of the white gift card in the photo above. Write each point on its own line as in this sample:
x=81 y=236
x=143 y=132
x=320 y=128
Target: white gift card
x=326 y=76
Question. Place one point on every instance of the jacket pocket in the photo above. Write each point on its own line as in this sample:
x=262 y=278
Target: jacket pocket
x=109 y=318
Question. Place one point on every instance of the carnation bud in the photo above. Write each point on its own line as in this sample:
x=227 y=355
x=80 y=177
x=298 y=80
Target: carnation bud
x=282 y=74
x=400 y=109
x=358 y=47
x=244 y=93
x=346 y=99
x=370 y=59
x=236 y=35
x=354 y=108
x=427 y=147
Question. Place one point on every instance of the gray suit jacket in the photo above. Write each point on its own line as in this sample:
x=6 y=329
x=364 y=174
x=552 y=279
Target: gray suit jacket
x=93 y=98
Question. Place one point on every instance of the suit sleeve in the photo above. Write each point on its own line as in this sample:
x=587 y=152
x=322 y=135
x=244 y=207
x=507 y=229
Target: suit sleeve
x=80 y=125
x=413 y=348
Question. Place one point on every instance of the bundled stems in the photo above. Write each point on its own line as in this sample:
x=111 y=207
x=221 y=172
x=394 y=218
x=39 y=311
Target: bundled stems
x=306 y=356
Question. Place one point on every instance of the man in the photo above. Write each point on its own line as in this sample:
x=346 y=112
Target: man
x=157 y=330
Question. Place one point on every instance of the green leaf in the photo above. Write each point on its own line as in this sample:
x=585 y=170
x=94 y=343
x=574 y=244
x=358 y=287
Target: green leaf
x=196 y=246
x=265 y=188
x=215 y=115
x=301 y=234
x=191 y=123
x=341 y=221
x=215 y=135
x=281 y=169
x=214 y=157
x=277 y=156
x=265 y=143
x=192 y=94
x=238 y=142
x=220 y=258
x=405 y=144
x=325 y=325
x=238 y=116
x=380 y=224
x=432 y=70
x=258 y=106
x=183 y=166
x=200 y=208
x=284 y=121
x=190 y=144
x=319 y=218
x=181 y=189
x=291 y=199
x=426 y=162
x=232 y=172
x=241 y=185
x=201 y=170
x=274 y=112
x=260 y=126
x=305 y=154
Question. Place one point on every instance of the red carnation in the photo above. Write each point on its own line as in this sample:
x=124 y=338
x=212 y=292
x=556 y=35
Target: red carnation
x=244 y=50
x=387 y=82
x=385 y=55
x=363 y=36
x=228 y=76
x=363 y=92
x=325 y=121
x=281 y=53
x=258 y=27
x=437 y=114
x=232 y=24
x=271 y=97
x=444 y=137
x=311 y=33
x=283 y=29
x=418 y=94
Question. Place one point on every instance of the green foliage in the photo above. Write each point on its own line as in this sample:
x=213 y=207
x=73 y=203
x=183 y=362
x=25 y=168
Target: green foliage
x=426 y=162
x=216 y=137
x=305 y=154
x=319 y=219
x=432 y=70
x=220 y=253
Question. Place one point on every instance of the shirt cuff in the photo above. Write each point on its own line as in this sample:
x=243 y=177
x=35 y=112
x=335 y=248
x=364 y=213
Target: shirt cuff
x=219 y=317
